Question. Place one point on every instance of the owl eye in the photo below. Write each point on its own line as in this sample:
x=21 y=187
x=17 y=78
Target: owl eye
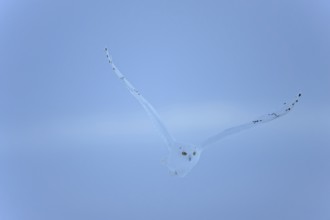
x=194 y=153
x=184 y=153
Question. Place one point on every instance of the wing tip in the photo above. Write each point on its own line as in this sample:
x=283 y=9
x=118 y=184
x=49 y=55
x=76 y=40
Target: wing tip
x=108 y=55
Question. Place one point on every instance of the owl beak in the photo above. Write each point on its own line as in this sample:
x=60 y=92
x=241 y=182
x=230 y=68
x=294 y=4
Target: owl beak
x=189 y=158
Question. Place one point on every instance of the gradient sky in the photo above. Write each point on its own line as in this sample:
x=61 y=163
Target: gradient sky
x=74 y=144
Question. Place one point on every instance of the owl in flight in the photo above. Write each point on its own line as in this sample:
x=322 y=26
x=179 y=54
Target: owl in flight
x=183 y=157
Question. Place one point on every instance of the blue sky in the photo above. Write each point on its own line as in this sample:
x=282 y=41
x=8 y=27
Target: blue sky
x=75 y=145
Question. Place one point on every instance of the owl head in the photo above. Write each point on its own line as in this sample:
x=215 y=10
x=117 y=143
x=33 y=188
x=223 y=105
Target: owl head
x=182 y=158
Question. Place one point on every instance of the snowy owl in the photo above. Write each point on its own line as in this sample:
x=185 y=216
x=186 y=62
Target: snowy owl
x=183 y=157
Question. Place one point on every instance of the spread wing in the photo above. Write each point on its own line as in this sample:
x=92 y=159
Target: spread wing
x=285 y=109
x=145 y=104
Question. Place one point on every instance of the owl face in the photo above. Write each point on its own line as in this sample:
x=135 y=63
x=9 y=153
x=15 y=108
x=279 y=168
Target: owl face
x=182 y=159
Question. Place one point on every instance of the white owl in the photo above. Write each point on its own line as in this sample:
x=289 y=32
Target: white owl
x=183 y=157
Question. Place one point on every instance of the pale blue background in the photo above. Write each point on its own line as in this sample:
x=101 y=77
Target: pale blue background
x=74 y=144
